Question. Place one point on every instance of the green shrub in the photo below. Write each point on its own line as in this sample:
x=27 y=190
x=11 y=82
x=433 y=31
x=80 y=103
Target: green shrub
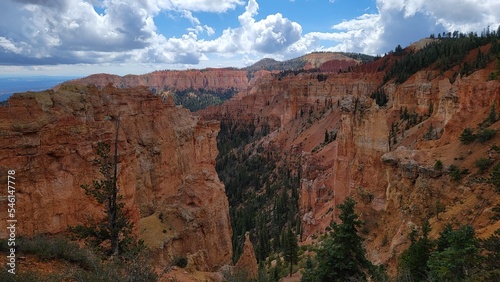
x=485 y=135
x=483 y=164
x=495 y=176
x=455 y=172
x=491 y=118
x=180 y=261
x=138 y=269
x=438 y=165
x=495 y=147
x=467 y=136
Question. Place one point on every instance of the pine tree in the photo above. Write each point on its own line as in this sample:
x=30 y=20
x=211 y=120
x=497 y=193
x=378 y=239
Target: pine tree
x=491 y=247
x=457 y=255
x=263 y=245
x=342 y=256
x=291 y=248
x=308 y=275
x=495 y=177
x=115 y=228
x=467 y=136
x=413 y=261
x=492 y=116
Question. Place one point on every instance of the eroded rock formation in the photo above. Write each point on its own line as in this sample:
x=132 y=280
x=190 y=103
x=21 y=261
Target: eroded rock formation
x=247 y=262
x=165 y=172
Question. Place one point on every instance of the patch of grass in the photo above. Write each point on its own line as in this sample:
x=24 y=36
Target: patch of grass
x=29 y=276
x=52 y=248
x=133 y=267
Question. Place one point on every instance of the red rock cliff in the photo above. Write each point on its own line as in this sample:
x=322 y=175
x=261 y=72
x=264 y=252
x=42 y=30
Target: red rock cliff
x=166 y=168
x=209 y=79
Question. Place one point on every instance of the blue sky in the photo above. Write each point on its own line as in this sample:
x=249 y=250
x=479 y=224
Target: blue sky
x=80 y=37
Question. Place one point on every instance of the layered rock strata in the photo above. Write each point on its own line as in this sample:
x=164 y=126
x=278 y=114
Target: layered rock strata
x=208 y=79
x=166 y=168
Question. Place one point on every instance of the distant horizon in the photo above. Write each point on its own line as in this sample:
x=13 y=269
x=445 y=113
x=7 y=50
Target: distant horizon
x=194 y=67
x=11 y=84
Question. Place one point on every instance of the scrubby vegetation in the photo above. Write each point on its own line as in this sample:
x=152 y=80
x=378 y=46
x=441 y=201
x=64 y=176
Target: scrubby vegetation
x=495 y=176
x=483 y=135
x=81 y=263
x=483 y=164
x=438 y=165
x=180 y=261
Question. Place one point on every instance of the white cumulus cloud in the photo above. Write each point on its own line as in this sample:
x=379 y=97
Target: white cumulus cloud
x=53 y=32
x=267 y=36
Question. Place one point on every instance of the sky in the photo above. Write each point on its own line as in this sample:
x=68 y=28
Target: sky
x=81 y=37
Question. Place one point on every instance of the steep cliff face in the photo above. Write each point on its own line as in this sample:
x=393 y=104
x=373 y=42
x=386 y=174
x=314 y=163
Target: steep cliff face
x=208 y=79
x=165 y=171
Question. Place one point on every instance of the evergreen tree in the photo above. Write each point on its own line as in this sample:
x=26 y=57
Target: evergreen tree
x=342 y=256
x=308 y=275
x=438 y=165
x=467 y=136
x=442 y=242
x=413 y=261
x=492 y=116
x=457 y=256
x=491 y=247
x=263 y=245
x=495 y=176
x=380 y=97
x=115 y=228
x=291 y=249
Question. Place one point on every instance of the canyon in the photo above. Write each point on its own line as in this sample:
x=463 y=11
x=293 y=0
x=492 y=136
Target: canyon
x=323 y=124
x=377 y=157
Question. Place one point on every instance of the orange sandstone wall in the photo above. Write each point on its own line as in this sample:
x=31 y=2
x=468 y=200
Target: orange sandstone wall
x=166 y=167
